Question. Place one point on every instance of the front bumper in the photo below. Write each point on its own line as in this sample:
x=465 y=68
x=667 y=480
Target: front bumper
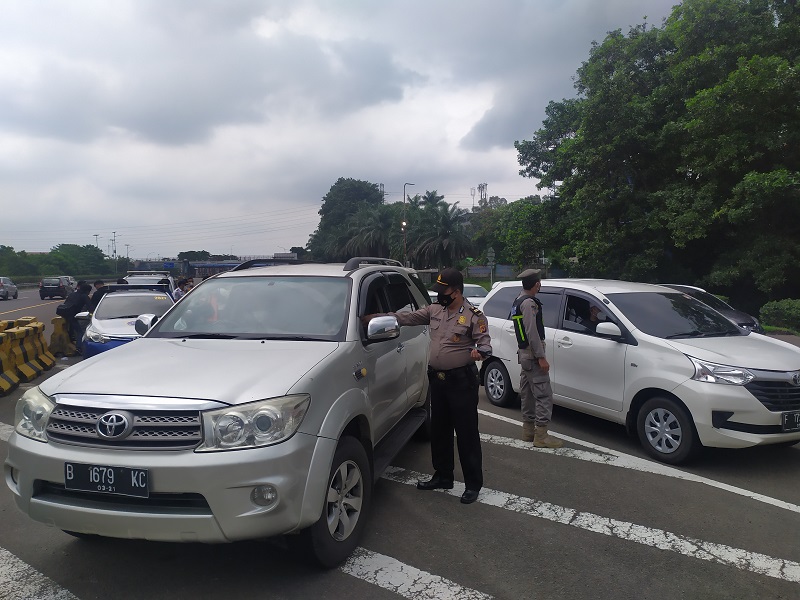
x=195 y=496
x=729 y=416
x=91 y=348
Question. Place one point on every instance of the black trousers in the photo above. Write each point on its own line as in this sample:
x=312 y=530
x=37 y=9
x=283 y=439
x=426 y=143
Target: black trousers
x=454 y=408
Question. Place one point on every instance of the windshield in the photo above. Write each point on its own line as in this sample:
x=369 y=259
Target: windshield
x=673 y=315
x=476 y=291
x=130 y=307
x=261 y=308
x=710 y=299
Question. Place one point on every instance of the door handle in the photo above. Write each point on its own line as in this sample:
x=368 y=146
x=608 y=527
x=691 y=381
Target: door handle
x=564 y=342
x=400 y=348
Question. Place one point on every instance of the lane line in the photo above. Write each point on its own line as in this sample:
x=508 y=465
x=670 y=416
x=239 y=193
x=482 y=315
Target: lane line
x=405 y=580
x=8 y=312
x=20 y=581
x=615 y=458
x=744 y=560
x=5 y=431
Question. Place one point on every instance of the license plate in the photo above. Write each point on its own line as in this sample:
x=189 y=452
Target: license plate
x=103 y=479
x=790 y=421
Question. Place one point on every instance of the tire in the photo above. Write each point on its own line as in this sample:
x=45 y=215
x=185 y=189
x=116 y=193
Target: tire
x=330 y=540
x=497 y=384
x=16 y=295
x=81 y=536
x=666 y=431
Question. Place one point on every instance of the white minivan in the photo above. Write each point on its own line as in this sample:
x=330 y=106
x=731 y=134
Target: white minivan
x=669 y=367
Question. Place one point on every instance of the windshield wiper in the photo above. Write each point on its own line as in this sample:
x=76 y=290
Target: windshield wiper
x=291 y=338
x=209 y=336
x=696 y=334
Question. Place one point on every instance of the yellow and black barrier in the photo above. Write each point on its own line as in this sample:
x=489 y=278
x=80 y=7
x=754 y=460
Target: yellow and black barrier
x=24 y=354
x=59 y=339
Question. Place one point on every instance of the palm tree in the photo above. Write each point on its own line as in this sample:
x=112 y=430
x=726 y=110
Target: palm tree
x=432 y=199
x=442 y=239
x=370 y=232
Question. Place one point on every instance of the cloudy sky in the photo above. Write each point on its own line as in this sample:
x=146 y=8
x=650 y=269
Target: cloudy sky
x=219 y=125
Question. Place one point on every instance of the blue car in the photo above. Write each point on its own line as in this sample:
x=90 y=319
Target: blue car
x=112 y=323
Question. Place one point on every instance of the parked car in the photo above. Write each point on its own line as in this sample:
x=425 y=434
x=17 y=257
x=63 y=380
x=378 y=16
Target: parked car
x=256 y=406
x=472 y=292
x=72 y=281
x=113 y=321
x=742 y=319
x=51 y=287
x=8 y=289
x=667 y=366
x=151 y=277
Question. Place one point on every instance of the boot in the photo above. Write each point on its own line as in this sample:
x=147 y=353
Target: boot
x=528 y=429
x=541 y=439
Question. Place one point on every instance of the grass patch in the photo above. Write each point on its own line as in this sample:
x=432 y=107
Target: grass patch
x=769 y=329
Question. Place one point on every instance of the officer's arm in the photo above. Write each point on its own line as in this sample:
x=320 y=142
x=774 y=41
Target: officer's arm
x=529 y=310
x=418 y=317
x=480 y=333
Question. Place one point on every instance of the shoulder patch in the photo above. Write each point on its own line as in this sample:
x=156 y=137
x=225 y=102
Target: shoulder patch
x=476 y=311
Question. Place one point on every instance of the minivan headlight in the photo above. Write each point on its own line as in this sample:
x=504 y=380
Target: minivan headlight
x=252 y=425
x=31 y=415
x=714 y=373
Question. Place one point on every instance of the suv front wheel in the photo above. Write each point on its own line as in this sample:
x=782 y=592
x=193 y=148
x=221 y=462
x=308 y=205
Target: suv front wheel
x=666 y=431
x=335 y=535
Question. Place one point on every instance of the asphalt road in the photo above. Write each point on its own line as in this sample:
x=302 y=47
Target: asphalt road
x=593 y=520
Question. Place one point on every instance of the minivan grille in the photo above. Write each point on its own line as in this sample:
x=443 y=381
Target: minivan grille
x=776 y=396
x=152 y=429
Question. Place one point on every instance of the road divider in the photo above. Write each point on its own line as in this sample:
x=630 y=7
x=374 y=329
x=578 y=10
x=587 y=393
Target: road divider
x=24 y=354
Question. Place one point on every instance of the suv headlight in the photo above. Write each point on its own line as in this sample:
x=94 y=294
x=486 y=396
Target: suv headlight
x=252 y=425
x=95 y=336
x=31 y=415
x=714 y=373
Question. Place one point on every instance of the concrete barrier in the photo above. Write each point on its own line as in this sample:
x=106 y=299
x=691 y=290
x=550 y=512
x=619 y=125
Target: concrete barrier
x=59 y=339
x=9 y=380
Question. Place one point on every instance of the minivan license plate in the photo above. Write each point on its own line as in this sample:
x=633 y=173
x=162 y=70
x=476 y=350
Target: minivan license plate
x=790 y=421
x=103 y=479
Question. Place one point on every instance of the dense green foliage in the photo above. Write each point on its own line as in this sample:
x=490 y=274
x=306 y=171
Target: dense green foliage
x=781 y=313
x=64 y=259
x=680 y=158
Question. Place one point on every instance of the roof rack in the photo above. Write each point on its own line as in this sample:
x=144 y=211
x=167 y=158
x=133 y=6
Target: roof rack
x=357 y=261
x=269 y=262
x=164 y=273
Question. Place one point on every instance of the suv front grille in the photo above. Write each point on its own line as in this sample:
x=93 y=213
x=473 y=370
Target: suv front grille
x=152 y=429
x=776 y=396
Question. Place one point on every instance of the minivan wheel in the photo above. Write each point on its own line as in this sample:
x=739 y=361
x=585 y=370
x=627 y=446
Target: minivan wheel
x=330 y=540
x=497 y=384
x=666 y=431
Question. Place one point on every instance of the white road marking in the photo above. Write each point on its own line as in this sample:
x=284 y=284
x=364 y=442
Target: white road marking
x=405 y=580
x=20 y=581
x=615 y=458
x=5 y=431
x=754 y=562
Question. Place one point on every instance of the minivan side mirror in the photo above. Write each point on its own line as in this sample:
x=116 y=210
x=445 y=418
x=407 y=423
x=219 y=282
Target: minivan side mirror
x=144 y=323
x=608 y=329
x=383 y=328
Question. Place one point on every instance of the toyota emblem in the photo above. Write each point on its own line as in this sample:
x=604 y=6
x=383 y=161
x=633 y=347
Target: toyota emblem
x=113 y=425
x=796 y=378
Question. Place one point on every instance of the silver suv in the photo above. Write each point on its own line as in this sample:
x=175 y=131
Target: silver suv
x=256 y=406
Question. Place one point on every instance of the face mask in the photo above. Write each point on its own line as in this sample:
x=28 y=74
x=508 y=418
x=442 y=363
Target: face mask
x=444 y=299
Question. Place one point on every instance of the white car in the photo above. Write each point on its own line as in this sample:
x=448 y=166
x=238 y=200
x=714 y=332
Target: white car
x=666 y=365
x=472 y=292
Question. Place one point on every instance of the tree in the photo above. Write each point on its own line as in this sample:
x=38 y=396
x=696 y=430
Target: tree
x=432 y=199
x=679 y=158
x=344 y=199
x=442 y=239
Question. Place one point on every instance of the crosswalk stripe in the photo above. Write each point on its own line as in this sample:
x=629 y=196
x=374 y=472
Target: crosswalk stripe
x=656 y=538
x=405 y=580
x=20 y=581
x=615 y=458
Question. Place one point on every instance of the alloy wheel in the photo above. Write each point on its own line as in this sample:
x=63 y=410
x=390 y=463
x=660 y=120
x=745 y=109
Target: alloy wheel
x=345 y=496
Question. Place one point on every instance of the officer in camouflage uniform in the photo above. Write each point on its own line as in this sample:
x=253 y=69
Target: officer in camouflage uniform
x=459 y=336
x=536 y=394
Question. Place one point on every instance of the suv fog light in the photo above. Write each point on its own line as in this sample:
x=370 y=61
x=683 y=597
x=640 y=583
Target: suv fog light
x=264 y=495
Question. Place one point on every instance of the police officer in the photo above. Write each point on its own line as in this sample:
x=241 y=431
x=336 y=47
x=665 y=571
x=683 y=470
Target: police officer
x=459 y=337
x=536 y=394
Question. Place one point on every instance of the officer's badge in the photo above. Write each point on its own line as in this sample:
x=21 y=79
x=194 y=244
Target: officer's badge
x=482 y=327
x=456 y=338
x=462 y=320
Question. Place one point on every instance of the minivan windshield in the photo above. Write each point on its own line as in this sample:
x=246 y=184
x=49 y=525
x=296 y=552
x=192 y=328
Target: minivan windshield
x=130 y=306
x=299 y=308
x=673 y=315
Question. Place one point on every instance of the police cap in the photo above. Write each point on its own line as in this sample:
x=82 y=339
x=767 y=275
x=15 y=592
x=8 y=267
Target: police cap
x=529 y=272
x=449 y=278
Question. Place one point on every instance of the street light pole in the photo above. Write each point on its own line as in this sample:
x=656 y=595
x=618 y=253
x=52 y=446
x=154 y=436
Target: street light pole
x=405 y=226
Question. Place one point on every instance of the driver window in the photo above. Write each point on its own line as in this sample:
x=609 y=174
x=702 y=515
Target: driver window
x=582 y=315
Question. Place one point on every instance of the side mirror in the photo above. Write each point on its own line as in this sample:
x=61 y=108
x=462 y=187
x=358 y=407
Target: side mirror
x=83 y=317
x=144 y=323
x=383 y=328
x=607 y=329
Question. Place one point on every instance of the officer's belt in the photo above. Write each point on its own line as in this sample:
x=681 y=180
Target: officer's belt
x=449 y=374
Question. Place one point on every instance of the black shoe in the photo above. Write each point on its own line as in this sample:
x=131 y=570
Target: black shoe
x=469 y=496
x=435 y=482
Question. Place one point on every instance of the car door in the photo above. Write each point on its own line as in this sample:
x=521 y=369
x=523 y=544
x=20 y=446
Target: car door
x=586 y=368
x=414 y=340
x=383 y=360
